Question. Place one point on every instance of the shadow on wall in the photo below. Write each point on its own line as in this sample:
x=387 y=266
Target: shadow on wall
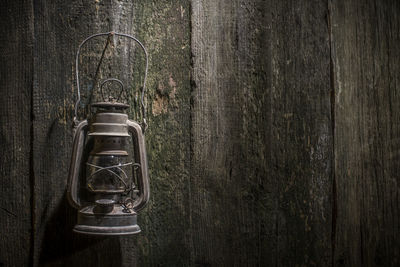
x=61 y=246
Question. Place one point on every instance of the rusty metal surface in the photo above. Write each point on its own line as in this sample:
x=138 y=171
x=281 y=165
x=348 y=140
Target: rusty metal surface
x=109 y=131
x=114 y=222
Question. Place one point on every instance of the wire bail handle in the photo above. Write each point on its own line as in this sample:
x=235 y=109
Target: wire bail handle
x=144 y=79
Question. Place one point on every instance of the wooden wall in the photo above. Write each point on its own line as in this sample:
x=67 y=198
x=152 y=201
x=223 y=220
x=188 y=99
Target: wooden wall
x=272 y=140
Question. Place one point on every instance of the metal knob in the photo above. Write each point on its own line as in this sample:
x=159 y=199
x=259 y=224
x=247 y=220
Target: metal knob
x=104 y=205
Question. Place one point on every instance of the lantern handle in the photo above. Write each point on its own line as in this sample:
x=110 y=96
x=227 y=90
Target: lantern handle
x=76 y=121
x=112 y=80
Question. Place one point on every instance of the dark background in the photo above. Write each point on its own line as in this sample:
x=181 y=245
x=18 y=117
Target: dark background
x=273 y=140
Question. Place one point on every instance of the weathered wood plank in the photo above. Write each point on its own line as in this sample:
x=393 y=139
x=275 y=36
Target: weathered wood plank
x=60 y=26
x=16 y=75
x=165 y=28
x=261 y=134
x=366 y=52
x=302 y=141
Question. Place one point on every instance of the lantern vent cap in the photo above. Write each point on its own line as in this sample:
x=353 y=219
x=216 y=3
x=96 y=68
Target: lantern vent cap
x=110 y=105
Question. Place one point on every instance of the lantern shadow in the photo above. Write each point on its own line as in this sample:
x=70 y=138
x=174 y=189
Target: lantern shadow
x=61 y=246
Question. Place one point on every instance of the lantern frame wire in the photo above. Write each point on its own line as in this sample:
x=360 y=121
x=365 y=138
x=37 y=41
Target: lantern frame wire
x=109 y=170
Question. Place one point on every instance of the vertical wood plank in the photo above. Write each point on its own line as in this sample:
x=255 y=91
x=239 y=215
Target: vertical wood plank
x=366 y=37
x=15 y=121
x=302 y=138
x=60 y=26
x=261 y=134
x=165 y=29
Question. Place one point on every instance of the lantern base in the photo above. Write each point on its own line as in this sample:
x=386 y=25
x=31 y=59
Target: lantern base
x=116 y=222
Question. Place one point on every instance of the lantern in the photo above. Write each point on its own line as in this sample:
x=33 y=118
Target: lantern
x=108 y=182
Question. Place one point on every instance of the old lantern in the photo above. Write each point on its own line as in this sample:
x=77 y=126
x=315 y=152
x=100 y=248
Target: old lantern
x=108 y=178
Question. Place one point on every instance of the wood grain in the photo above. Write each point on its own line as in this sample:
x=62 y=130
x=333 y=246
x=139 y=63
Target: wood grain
x=261 y=134
x=164 y=26
x=365 y=43
x=272 y=135
x=16 y=74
